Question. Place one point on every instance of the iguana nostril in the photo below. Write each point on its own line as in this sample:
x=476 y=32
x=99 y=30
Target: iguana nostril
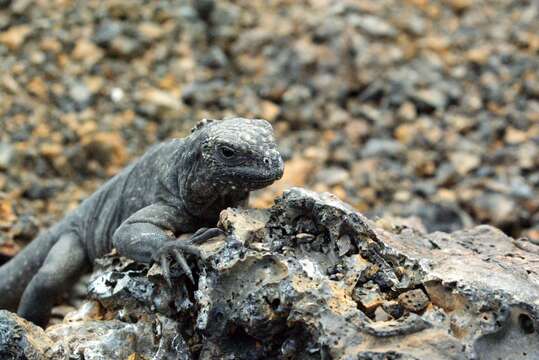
x=267 y=161
x=279 y=167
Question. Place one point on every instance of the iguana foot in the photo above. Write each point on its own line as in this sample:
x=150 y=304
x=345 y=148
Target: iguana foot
x=176 y=249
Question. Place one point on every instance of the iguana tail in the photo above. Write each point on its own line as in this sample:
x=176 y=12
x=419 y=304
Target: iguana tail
x=17 y=272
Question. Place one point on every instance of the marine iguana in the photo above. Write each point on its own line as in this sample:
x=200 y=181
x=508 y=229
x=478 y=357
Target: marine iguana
x=177 y=187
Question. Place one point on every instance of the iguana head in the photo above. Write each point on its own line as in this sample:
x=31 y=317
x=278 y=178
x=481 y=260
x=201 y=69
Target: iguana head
x=237 y=154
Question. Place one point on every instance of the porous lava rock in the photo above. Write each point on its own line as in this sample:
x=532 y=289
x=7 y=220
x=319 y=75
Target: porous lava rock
x=310 y=278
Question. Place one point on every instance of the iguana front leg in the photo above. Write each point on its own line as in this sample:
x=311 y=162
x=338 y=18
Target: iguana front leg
x=149 y=236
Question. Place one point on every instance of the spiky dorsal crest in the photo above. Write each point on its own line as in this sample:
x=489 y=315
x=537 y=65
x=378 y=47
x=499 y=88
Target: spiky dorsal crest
x=199 y=125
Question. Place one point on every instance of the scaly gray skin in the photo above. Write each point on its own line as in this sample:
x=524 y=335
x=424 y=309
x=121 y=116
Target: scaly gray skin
x=178 y=186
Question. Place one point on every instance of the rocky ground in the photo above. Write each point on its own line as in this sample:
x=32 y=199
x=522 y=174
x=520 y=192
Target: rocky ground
x=307 y=279
x=403 y=108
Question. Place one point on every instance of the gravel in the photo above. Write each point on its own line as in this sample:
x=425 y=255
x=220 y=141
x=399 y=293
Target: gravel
x=396 y=107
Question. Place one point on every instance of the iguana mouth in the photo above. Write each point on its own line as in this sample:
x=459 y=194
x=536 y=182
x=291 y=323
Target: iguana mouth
x=260 y=180
x=263 y=182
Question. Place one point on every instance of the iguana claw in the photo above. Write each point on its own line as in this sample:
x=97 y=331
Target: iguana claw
x=177 y=248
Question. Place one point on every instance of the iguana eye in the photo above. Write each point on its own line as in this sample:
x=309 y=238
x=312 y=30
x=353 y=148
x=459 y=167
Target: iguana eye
x=227 y=152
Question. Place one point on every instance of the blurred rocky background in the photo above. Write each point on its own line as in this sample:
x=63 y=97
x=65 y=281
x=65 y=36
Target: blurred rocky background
x=401 y=108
